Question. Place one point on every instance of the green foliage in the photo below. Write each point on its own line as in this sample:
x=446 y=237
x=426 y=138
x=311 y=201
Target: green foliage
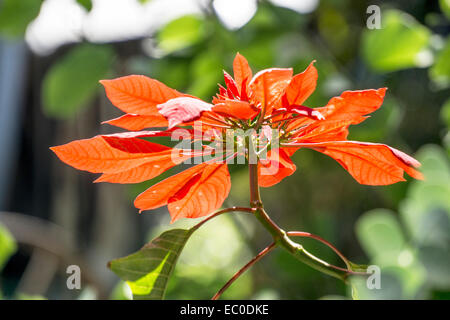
x=147 y=271
x=72 y=82
x=399 y=44
x=440 y=71
x=181 y=33
x=445 y=7
x=206 y=74
x=16 y=15
x=7 y=246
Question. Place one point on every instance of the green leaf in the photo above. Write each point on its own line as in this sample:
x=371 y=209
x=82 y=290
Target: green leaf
x=399 y=44
x=15 y=15
x=445 y=7
x=148 y=270
x=440 y=71
x=72 y=82
x=87 y=4
x=7 y=246
x=380 y=234
x=181 y=33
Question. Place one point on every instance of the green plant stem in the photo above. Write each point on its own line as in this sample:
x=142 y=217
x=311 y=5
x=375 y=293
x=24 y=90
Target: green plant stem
x=243 y=269
x=280 y=236
x=315 y=237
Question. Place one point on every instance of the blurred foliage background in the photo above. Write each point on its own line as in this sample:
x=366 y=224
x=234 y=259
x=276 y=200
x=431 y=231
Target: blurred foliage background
x=52 y=54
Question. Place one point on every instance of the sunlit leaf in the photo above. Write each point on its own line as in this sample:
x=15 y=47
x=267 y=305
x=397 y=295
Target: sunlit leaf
x=181 y=33
x=193 y=193
x=399 y=44
x=72 y=82
x=445 y=7
x=15 y=15
x=121 y=291
x=7 y=246
x=138 y=94
x=148 y=270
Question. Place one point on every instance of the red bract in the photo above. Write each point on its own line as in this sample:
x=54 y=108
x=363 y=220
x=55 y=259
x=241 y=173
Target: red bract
x=272 y=99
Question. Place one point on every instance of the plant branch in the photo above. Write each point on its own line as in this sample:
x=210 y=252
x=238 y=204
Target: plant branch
x=280 y=236
x=243 y=269
x=218 y=213
x=313 y=236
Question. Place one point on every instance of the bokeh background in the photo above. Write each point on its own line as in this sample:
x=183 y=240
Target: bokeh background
x=52 y=54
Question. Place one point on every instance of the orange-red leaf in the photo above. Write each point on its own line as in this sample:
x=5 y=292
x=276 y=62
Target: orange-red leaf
x=235 y=108
x=369 y=163
x=333 y=130
x=134 y=122
x=352 y=106
x=108 y=153
x=193 y=193
x=232 y=86
x=302 y=85
x=138 y=94
x=241 y=70
x=267 y=87
x=275 y=168
x=158 y=164
x=159 y=194
x=205 y=194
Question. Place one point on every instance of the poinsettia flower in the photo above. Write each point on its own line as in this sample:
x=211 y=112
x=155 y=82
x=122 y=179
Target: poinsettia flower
x=271 y=101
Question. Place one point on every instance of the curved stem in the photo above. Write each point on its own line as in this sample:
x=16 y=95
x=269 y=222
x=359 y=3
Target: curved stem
x=243 y=269
x=232 y=209
x=280 y=236
x=313 y=236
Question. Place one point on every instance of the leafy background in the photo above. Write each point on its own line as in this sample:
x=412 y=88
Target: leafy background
x=52 y=216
